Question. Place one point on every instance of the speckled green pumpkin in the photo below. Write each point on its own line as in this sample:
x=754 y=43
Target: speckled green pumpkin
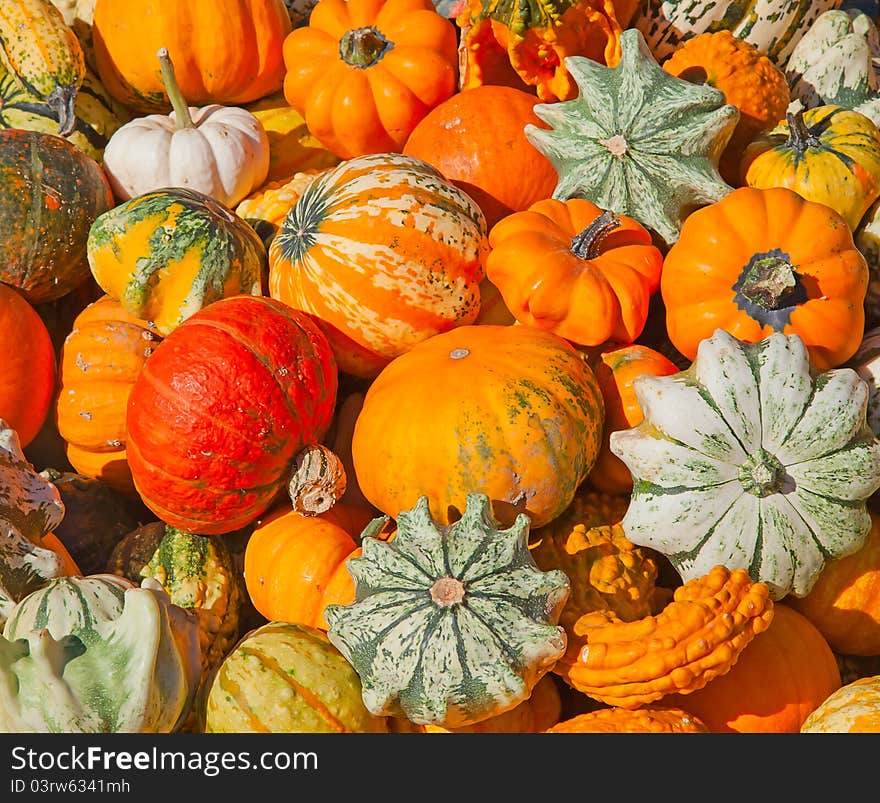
x=198 y=574
x=637 y=140
x=751 y=460
x=451 y=624
x=166 y=254
x=287 y=678
x=97 y=654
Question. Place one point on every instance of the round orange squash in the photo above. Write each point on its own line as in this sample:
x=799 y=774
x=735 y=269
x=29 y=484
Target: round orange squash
x=509 y=411
x=779 y=679
x=651 y=719
x=27 y=381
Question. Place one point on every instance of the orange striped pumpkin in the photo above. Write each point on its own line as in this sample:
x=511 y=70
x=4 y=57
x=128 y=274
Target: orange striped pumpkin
x=385 y=253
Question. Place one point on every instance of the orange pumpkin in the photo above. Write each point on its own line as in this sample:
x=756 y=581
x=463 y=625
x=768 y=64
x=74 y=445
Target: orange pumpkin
x=27 y=381
x=294 y=565
x=364 y=72
x=576 y=270
x=650 y=719
x=616 y=370
x=844 y=602
x=100 y=359
x=224 y=51
x=761 y=261
x=476 y=140
x=780 y=678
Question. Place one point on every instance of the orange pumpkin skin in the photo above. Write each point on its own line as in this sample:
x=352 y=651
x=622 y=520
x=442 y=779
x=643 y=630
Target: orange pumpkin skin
x=780 y=678
x=761 y=261
x=844 y=602
x=476 y=140
x=571 y=268
x=27 y=381
x=101 y=358
x=294 y=565
x=651 y=719
x=224 y=51
x=615 y=371
x=363 y=73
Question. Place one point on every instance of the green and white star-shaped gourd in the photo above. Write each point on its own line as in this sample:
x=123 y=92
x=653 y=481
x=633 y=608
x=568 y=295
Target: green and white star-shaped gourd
x=752 y=460
x=636 y=140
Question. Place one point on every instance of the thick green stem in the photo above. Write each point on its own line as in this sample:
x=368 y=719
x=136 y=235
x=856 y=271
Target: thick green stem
x=363 y=47
x=587 y=244
x=769 y=283
x=182 y=116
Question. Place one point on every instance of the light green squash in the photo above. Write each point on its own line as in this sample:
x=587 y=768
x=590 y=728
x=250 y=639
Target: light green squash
x=637 y=140
x=750 y=460
x=451 y=624
x=97 y=654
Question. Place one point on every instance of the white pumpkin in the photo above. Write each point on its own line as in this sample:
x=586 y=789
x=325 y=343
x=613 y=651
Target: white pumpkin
x=221 y=151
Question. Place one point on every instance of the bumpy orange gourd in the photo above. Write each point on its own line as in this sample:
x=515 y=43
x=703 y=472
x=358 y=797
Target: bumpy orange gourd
x=364 y=72
x=748 y=79
x=651 y=719
x=27 y=381
x=761 y=261
x=775 y=683
x=575 y=269
x=616 y=370
x=224 y=51
x=101 y=357
x=844 y=602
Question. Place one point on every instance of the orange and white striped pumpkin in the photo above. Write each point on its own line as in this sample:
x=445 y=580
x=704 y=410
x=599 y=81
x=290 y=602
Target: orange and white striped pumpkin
x=385 y=253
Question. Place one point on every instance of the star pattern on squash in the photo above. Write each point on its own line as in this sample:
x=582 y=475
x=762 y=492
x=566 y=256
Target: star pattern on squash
x=636 y=140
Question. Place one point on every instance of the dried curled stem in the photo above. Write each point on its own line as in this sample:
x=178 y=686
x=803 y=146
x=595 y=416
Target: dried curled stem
x=318 y=480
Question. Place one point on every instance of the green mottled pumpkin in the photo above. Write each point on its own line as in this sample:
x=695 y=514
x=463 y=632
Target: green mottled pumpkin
x=636 y=140
x=50 y=194
x=285 y=677
x=451 y=624
x=166 y=254
x=752 y=460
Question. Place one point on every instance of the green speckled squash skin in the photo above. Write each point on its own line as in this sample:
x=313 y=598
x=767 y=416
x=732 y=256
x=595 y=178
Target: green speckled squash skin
x=750 y=460
x=637 y=140
x=166 y=254
x=451 y=624
x=287 y=678
x=50 y=194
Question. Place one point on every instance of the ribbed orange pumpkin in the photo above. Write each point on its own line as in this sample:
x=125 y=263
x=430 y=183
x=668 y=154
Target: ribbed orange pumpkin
x=224 y=51
x=101 y=358
x=294 y=565
x=779 y=679
x=27 y=381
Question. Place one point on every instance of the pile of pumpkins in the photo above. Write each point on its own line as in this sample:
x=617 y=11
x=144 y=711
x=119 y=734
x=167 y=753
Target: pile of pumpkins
x=414 y=366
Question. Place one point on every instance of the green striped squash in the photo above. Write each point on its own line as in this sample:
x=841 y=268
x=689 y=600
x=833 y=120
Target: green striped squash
x=751 y=460
x=97 y=654
x=774 y=26
x=166 y=254
x=97 y=114
x=285 y=677
x=451 y=624
x=637 y=140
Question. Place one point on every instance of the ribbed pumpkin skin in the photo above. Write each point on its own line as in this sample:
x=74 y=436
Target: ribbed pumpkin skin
x=509 y=411
x=783 y=675
x=50 y=194
x=101 y=357
x=854 y=708
x=226 y=52
x=287 y=678
x=384 y=252
x=294 y=565
x=220 y=410
x=27 y=381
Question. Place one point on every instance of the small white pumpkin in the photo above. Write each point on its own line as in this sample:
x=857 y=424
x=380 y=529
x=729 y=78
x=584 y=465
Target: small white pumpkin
x=221 y=151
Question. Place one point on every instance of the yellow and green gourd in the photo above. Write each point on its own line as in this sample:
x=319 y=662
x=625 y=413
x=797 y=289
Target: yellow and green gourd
x=451 y=624
x=166 y=254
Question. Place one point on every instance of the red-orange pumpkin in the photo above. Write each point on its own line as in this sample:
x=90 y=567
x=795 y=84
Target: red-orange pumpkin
x=222 y=407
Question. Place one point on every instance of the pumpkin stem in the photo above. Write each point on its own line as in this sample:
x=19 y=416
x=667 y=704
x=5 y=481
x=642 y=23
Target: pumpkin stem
x=182 y=116
x=762 y=474
x=769 y=282
x=363 y=47
x=447 y=591
x=800 y=137
x=586 y=244
x=318 y=480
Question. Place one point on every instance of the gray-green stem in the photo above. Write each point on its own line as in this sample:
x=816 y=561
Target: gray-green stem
x=182 y=118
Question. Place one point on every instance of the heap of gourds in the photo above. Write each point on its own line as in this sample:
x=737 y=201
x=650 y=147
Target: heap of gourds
x=413 y=366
